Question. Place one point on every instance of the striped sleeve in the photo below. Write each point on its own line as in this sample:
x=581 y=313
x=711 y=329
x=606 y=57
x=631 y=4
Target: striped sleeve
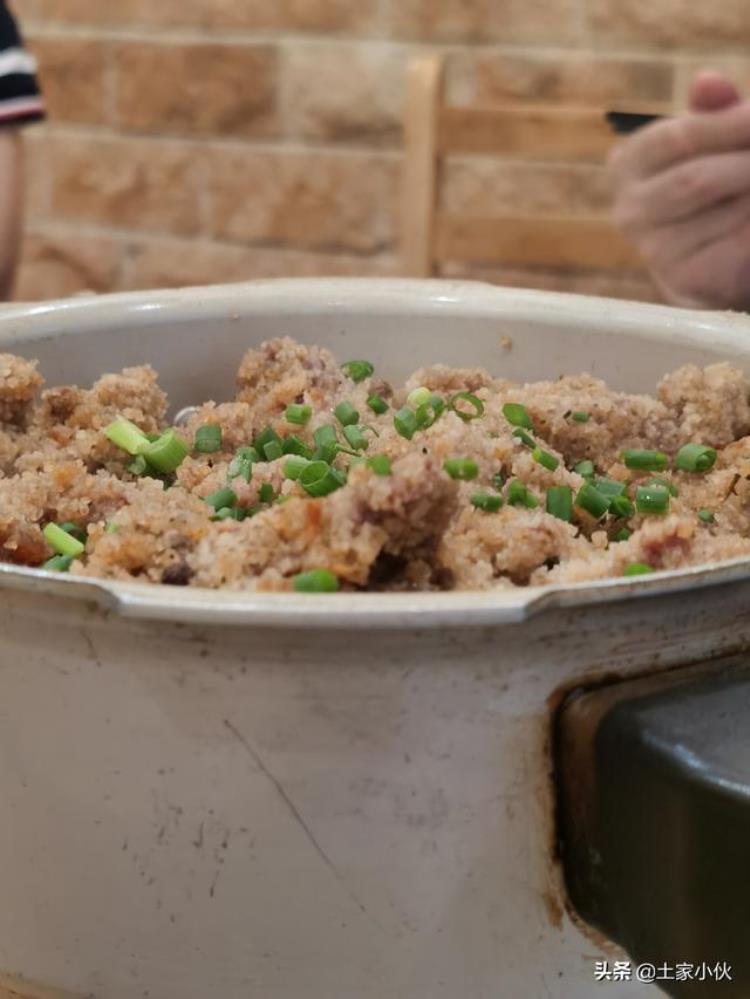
x=20 y=97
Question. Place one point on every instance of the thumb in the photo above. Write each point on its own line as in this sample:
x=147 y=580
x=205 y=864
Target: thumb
x=711 y=91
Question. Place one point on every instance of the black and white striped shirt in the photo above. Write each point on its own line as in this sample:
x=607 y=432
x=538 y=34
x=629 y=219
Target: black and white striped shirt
x=20 y=98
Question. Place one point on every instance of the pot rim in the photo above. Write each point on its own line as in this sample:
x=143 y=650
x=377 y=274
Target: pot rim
x=22 y=324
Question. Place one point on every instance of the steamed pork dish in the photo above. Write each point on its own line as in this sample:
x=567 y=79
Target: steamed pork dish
x=320 y=476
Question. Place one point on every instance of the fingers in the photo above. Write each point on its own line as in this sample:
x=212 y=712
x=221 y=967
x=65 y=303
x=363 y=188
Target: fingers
x=667 y=143
x=683 y=191
x=711 y=91
x=668 y=245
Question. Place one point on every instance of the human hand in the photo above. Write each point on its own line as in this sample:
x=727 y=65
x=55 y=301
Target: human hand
x=682 y=196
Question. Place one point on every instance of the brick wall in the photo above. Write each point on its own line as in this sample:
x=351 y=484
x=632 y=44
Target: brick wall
x=195 y=141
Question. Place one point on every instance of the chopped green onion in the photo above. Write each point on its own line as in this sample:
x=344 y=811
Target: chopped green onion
x=167 y=454
x=418 y=397
x=377 y=404
x=621 y=506
x=592 y=501
x=560 y=502
x=706 y=516
x=58 y=563
x=325 y=435
x=623 y=534
x=293 y=466
x=673 y=490
x=61 y=542
x=225 y=497
x=358 y=370
x=327 y=452
x=75 y=531
x=380 y=464
x=208 y=438
x=526 y=438
x=346 y=414
x=355 y=438
x=610 y=487
x=517 y=415
x=316 y=581
x=319 y=479
x=241 y=466
x=405 y=422
x=273 y=450
x=489 y=502
x=695 y=458
x=476 y=404
x=265 y=493
x=498 y=480
x=652 y=498
x=428 y=412
x=111 y=527
x=585 y=469
x=228 y=513
x=267 y=436
x=645 y=461
x=580 y=417
x=519 y=495
x=138 y=466
x=637 y=569
x=297 y=413
x=126 y=435
x=464 y=469
x=545 y=459
x=295 y=445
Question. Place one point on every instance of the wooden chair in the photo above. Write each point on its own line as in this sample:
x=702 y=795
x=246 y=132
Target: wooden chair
x=434 y=130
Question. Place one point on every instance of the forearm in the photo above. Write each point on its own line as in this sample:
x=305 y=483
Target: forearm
x=11 y=206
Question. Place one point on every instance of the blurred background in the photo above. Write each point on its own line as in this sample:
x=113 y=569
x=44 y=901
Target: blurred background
x=196 y=141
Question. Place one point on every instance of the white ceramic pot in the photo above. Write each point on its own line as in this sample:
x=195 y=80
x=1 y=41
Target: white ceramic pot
x=208 y=794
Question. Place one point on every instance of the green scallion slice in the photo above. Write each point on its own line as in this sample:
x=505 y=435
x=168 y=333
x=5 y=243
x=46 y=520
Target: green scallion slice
x=519 y=495
x=75 y=531
x=298 y=414
x=325 y=435
x=610 y=487
x=695 y=458
x=380 y=464
x=377 y=404
x=167 y=453
x=405 y=422
x=637 y=569
x=111 y=527
x=645 y=461
x=294 y=465
x=138 y=466
x=418 y=396
x=225 y=497
x=560 y=502
x=498 y=480
x=267 y=436
x=316 y=581
x=580 y=416
x=241 y=466
x=428 y=412
x=707 y=516
x=585 y=469
x=358 y=370
x=208 y=438
x=61 y=542
x=346 y=414
x=273 y=451
x=126 y=435
x=517 y=415
x=319 y=479
x=355 y=438
x=652 y=498
x=475 y=410
x=621 y=506
x=295 y=445
x=58 y=563
x=524 y=436
x=489 y=502
x=673 y=490
x=545 y=459
x=623 y=534
x=228 y=513
x=464 y=469
x=592 y=501
x=265 y=493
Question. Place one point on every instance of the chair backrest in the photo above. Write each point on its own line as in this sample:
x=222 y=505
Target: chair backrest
x=433 y=130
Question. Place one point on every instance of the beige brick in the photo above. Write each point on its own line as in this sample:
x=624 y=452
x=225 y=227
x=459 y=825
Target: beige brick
x=60 y=263
x=294 y=15
x=313 y=200
x=74 y=72
x=485 y=187
x=134 y=183
x=526 y=22
x=658 y=24
x=37 y=175
x=202 y=89
x=345 y=92
x=575 y=79
x=173 y=263
x=628 y=285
